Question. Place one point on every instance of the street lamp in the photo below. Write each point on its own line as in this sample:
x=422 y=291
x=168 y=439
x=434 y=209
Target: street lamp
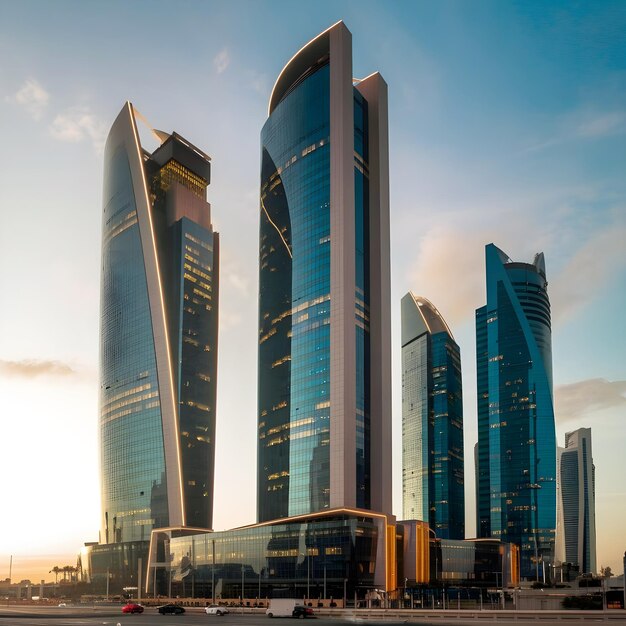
x=308 y=572
x=243 y=578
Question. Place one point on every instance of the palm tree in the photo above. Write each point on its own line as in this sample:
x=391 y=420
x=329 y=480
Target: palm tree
x=55 y=570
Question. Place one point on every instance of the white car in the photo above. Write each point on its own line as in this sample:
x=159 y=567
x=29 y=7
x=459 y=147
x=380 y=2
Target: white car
x=215 y=609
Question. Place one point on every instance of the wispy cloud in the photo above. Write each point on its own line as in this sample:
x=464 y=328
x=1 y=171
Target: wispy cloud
x=32 y=97
x=448 y=265
x=579 y=399
x=449 y=272
x=259 y=83
x=221 y=61
x=589 y=270
x=31 y=368
x=77 y=124
x=603 y=124
x=583 y=126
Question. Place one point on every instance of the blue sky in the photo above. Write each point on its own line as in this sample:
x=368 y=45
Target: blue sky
x=507 y=125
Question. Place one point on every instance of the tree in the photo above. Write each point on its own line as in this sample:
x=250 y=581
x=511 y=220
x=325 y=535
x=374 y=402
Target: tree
x=605 y=572
x=55 y=570
x=67 y=569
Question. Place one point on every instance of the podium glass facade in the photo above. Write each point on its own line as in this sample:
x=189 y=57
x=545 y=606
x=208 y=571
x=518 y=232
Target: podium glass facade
x=324 y=556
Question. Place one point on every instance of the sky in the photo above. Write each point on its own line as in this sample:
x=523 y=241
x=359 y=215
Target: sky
x=507 y=124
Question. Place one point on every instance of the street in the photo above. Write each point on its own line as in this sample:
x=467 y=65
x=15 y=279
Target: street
x=112 y=616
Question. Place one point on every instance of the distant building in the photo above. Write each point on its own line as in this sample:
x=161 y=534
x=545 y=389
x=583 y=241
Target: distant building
x=324 y=403
x=432 y=421
x=516 y=471
x=158 y=336
x=576 y=541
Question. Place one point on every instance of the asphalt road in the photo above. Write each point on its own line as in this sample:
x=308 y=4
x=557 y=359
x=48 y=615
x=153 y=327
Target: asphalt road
x=112 y=616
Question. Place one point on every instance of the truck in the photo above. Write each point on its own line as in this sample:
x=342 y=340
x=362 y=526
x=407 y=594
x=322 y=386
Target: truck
x=288 y=607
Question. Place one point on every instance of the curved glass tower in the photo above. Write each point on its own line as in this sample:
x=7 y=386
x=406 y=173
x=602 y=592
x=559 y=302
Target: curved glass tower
x=432 y=421
x=158 y=336
x=516 y=456
x=324 y=323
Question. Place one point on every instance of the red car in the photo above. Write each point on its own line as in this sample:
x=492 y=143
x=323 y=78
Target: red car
x=131 y=607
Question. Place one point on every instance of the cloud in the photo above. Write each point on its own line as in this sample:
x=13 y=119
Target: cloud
x=31 y=368
x=221 y=61
x=449 y=271
x=447 y=266
x=258 y=83
x=583 y=126
x=600 y=125
x=238 y=281
x=581 y=398
x=79 y=123
x=32 y=97
x=588 y=271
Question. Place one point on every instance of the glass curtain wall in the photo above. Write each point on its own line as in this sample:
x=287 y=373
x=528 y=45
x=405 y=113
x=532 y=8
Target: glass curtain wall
x=520 y=415
x=294 y=304
x=133 y=487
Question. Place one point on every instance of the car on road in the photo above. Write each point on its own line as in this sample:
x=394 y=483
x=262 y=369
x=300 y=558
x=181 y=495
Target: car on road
x=301 y=612
x=132 y=607
x=171 y=609
x=215 y=609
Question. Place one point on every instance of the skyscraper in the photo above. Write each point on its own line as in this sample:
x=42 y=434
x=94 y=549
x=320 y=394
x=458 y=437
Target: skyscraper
x=432 y=421
x=577 y=508
x=158 y=335
x=324 y=413
x=516 y=469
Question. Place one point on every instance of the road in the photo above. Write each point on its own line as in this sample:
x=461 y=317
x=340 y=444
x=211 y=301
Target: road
x=112 y=616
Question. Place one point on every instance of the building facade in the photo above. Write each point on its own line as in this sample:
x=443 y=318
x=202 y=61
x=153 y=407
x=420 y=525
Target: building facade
x=158 y=336
x=340 y=555
x=576 y=541
x=516 y=456
x=324 y=412
x=323 y=555
x=432 y=421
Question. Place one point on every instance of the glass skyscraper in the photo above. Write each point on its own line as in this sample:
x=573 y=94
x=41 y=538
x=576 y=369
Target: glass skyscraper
x=576 y=541
x=516 y=455
x=324 y=413
x=432 y=421
x=158 y=336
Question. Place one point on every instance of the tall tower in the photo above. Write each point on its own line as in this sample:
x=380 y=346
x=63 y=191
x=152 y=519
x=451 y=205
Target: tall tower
x=324 y=414
x=516 y=471
x=432 y=421
x=158 y=335
x=577 y=506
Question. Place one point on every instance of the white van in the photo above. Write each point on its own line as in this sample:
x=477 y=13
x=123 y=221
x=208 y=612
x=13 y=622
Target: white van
x=288 y=607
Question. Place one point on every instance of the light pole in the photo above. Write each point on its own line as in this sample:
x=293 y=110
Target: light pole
x=243 y=582
x=213 y=572
x=308 y=571
x=624 y=579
